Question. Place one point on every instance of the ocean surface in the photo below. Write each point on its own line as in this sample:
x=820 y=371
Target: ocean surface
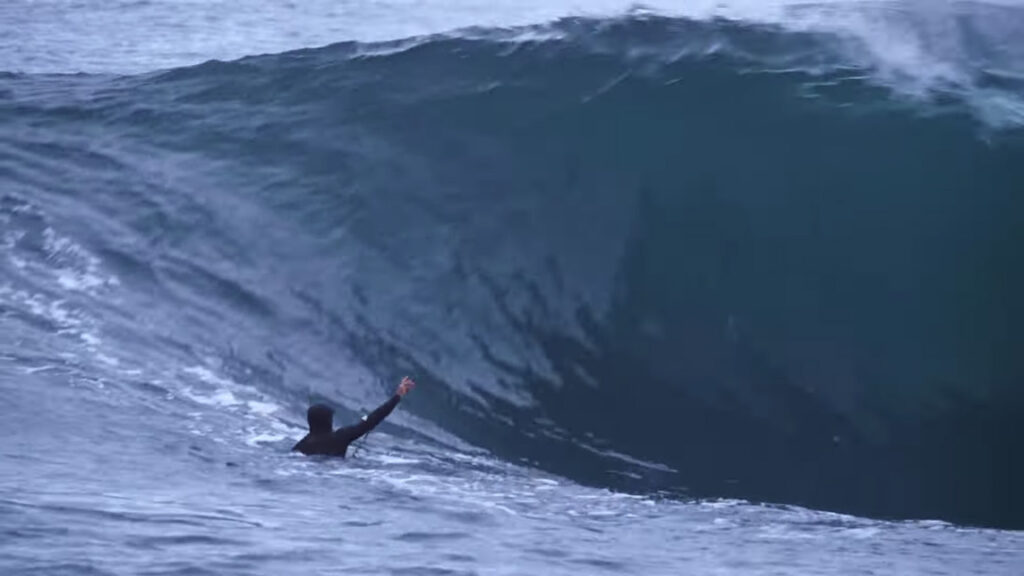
x=708 y=288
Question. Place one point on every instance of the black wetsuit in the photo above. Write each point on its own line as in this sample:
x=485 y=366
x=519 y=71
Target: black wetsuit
x=322 y=440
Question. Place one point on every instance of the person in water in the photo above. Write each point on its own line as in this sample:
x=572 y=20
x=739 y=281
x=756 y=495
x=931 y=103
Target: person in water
x=324 y=440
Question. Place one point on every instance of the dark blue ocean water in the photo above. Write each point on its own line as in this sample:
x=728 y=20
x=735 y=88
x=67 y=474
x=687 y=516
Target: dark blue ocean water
x=683 y=294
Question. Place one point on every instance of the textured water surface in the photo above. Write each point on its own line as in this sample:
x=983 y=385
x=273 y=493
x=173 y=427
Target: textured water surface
x=683 y=294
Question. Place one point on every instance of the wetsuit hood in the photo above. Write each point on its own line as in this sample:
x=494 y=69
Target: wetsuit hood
x=320 y=418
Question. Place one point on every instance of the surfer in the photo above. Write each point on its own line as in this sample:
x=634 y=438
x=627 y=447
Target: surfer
x=324 y=440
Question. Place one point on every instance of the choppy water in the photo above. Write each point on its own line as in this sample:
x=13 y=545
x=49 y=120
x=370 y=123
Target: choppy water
x=684 y=294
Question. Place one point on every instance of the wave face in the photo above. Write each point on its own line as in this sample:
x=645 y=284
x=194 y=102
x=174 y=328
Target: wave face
x=654 y=254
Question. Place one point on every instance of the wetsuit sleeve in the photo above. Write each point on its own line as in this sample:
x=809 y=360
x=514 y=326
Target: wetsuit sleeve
x=352 y=433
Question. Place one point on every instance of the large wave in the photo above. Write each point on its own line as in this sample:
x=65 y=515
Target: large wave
x=708 y=258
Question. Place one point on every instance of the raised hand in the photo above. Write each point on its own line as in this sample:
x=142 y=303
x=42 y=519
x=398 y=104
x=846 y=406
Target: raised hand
x=406 y=385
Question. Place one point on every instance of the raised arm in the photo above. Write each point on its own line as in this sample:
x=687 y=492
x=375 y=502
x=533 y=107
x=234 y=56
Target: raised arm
x=349 y=434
